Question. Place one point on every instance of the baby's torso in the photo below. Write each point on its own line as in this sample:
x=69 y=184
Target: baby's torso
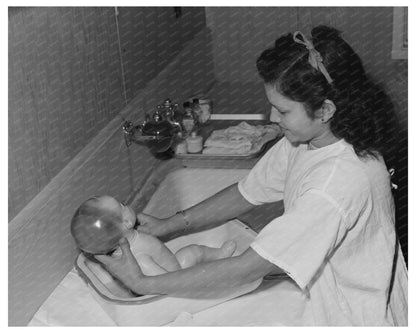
x=152 y=255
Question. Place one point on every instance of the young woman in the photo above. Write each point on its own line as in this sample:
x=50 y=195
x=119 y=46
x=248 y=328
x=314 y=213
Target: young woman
x=336 y=238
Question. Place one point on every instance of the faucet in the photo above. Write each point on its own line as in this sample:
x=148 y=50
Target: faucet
x=130 y=130
x=169 y=110
x=157 y=131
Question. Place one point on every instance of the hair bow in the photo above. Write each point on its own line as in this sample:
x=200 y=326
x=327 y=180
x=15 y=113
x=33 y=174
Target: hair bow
x=315 y=58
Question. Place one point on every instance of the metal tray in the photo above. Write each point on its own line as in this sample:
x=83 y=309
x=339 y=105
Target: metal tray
x=221 y=121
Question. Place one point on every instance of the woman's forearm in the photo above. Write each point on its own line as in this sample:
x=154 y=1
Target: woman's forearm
x=207 y=277
x=211 y=212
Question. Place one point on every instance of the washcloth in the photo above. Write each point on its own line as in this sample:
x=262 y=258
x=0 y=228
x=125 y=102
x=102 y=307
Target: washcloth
x=242 y=139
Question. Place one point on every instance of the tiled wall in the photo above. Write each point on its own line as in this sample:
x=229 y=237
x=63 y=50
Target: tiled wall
x=64 y=86
x=66 y=79
x=150 y=37
x=240 y=34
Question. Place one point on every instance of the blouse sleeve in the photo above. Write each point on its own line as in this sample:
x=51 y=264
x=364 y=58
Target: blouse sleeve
x=300 y=240
x=265 y=182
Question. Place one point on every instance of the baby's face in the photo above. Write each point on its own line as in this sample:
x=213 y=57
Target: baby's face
x=128 y=215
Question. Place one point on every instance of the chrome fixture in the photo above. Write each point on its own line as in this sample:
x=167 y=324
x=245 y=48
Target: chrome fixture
x=157 y=131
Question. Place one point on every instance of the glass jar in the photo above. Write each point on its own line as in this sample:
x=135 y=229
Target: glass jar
x=188 y=120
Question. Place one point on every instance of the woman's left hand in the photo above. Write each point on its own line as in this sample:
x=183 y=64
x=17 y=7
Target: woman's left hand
x=125 y=268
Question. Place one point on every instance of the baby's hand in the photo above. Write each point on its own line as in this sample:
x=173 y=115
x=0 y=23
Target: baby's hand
x=152 y=225
x=124 y=267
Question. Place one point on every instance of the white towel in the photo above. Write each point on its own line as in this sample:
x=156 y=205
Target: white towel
x=242 y=139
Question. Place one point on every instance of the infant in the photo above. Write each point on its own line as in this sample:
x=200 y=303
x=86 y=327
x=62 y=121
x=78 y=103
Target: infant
x=100 y=222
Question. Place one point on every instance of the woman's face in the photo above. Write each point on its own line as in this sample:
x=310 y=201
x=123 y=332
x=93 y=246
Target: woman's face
x=292 y=117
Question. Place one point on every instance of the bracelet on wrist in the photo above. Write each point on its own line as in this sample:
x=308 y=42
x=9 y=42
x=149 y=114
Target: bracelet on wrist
x=185 y=218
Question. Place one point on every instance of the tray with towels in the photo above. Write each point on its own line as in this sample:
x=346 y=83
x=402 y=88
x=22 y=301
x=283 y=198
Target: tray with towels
x=232 y=136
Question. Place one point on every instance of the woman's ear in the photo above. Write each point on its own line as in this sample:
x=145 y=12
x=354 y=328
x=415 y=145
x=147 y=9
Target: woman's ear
x=327 y=110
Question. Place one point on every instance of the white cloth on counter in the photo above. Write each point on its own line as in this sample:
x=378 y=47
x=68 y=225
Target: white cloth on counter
x=275 y=303
x=239 y=140
x=71 y=304
x=336 y=239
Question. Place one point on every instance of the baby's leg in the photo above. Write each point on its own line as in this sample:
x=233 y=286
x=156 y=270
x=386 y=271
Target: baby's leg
x=194 y=254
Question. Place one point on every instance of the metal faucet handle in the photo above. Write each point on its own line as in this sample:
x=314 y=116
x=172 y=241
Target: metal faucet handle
x=127 y=127
x=167 y=102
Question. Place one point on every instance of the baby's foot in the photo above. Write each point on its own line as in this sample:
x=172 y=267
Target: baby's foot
x=228 y=248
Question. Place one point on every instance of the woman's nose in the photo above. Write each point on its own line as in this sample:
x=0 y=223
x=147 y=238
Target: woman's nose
x=274 y=116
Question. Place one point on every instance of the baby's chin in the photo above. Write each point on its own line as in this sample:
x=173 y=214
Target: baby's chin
x=129 y=224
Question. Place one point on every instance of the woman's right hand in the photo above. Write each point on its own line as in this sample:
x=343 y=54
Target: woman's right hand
x=152 y=225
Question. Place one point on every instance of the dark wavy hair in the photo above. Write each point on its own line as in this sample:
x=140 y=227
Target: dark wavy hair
x=365 y=115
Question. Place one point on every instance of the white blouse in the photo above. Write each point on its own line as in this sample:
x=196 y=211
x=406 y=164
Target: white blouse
x=336 y=239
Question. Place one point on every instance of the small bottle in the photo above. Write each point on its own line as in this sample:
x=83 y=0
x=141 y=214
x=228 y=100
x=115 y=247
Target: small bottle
x=194 y=143
x=188 y=120
x=181 y=146
x=206 y=110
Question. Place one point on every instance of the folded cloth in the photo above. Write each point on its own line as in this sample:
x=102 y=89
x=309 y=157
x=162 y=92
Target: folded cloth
x=239 y=140
x=245 y=129
x=241 y=131
x=222 y=142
